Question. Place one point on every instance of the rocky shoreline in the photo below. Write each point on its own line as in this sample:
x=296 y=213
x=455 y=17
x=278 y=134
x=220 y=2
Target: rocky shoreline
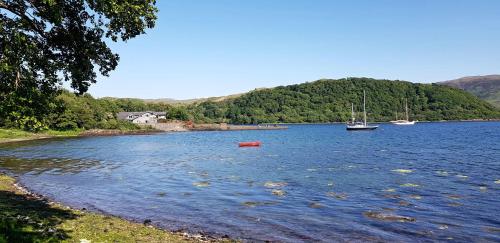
x=178 y=126
x=124 y=228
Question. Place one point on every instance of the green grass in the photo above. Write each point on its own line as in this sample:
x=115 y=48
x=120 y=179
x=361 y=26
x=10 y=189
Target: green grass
x=15 y=134
x=12 y=133
x=70 y=133
x=24 y=218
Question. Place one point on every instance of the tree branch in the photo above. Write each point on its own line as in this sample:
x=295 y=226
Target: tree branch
x=34 y=24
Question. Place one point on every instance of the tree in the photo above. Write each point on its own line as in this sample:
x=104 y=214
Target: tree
x=45 y=42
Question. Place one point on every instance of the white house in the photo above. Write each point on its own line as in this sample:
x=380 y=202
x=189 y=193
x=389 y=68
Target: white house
x=146 y=117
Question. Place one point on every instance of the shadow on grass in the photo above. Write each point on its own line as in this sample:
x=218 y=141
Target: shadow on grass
x=27 y=219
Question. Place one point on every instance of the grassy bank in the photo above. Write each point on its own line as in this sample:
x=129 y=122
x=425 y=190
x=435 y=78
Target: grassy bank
x=26 y=218
x=8 y=135
x=14 y=135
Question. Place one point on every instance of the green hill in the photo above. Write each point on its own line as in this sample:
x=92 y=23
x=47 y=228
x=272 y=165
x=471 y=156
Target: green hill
x=484 y=87
x=330 y=100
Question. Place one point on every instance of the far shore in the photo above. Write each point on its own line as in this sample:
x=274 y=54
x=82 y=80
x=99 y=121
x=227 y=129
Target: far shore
x=381 y=122
x=180 y=127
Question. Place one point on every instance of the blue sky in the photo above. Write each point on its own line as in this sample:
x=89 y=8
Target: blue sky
x=203 y=48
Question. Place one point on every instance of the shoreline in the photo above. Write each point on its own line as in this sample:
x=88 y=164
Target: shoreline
x=385 y=122
x=83 y=225
x=196 y=128
x=86 y=133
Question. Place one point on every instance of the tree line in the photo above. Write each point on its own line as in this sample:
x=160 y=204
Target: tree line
x=70 y=111
x=315 y=102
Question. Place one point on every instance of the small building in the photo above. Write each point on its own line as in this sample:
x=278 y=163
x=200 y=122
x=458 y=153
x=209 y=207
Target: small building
x=144 y=117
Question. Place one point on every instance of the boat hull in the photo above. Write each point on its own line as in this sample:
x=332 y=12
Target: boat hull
x=250 y=144
x=404 y=123
x=366 y=128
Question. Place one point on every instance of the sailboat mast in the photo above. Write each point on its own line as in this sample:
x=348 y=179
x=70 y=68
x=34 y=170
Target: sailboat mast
x=364 y=106
x=352 y=113
x=406 y=109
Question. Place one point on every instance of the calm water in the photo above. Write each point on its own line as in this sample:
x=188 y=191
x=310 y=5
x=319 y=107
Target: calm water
x=307 y=183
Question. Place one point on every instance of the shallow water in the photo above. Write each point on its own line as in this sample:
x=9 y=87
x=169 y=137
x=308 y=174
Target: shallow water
x=431 y=181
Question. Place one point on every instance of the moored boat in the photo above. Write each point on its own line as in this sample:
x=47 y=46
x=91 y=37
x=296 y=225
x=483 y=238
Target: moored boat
x=353 y=125
x=404 y=122
x=250 y=144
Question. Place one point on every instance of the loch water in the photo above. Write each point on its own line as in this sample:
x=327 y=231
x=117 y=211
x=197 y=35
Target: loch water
x=427 y=182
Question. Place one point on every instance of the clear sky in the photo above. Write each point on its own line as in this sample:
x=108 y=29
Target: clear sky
x=203 y=48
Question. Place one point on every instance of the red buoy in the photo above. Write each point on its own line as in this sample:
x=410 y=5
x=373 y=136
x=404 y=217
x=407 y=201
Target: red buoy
x=250 y=144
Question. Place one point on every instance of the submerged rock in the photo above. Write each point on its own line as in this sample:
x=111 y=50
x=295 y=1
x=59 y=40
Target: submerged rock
x=315 y=205
x=388 y=217
x=492 y=229
x=161 y=194
x=454 y=204
x=455 y=197
x=392 y=196
x=410 y=185
x=402 y=171
x=442 y=173
x=404 y=203
x=443 y=227
x=341 y=196
x=271 y=184
x=252 y=204
x=279 y=193
x=201 y=184
x=250 y=183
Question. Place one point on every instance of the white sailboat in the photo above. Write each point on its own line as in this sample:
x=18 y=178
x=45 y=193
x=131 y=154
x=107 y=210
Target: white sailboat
x=353 y=125
x=407 y=121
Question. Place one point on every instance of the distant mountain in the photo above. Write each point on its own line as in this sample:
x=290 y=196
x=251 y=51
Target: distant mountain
x=191 y=101
x=485 y=87
x=171 y=101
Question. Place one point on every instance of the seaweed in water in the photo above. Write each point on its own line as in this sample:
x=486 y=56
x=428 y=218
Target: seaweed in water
x=388 y=217
x=279 y=193
x=251 y=204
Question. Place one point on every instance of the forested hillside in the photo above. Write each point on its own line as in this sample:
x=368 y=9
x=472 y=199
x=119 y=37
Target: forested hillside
x=319 y=101
x=330 y=101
